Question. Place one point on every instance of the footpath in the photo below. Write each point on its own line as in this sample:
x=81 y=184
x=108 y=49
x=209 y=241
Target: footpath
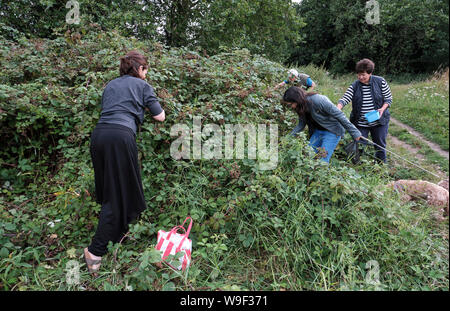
x=432 y=145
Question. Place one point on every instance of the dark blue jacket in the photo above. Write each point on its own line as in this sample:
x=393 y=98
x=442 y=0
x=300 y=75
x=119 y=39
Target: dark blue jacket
x=377 y=96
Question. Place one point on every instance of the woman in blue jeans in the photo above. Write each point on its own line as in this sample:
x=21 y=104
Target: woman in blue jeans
x=326 y=123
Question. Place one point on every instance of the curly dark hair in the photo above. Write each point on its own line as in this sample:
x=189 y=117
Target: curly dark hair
x=365 y=65
x=130 y=63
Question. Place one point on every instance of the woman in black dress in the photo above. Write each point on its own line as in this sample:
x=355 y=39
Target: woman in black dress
x=114 y=154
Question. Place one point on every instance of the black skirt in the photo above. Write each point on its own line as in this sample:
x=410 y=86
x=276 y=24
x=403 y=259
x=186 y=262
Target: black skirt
x=118 y=183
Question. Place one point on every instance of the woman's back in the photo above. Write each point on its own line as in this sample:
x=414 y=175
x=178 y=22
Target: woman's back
x=124 y=101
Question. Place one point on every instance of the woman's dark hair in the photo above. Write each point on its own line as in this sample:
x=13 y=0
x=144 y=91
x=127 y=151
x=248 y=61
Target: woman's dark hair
x=365 y=65
x=297 y=95
x=130 y=63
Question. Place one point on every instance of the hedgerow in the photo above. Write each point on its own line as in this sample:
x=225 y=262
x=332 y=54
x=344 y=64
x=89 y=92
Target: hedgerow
x=301 y=226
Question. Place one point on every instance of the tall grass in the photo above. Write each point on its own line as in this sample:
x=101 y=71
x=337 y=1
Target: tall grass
x=304 y=225
x=424 y=106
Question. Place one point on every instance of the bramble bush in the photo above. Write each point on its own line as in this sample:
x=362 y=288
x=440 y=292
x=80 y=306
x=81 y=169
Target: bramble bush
x=302 y=226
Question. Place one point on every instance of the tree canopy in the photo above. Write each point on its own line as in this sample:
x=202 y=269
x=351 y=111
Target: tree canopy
x=409 y=36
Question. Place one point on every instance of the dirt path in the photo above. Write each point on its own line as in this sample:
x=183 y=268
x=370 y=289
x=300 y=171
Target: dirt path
x=397 y=143
x=432 y=145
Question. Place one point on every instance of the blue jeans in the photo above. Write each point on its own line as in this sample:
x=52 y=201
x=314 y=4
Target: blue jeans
x=326 y=140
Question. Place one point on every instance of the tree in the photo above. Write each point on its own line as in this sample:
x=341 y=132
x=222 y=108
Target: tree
x=411 y=36
x=178 y=21
x=269 y=27
x=317 y=34
x=40 y=18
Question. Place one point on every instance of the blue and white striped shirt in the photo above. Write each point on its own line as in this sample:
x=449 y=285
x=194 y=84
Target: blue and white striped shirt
x=367 y=104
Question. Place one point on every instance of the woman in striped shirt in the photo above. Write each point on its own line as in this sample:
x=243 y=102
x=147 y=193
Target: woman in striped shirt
x=369 y=93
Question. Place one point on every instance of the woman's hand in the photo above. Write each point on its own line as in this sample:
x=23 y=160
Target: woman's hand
x=382 y=109
x=160 y=117
x=357 y=138
x=278 y=86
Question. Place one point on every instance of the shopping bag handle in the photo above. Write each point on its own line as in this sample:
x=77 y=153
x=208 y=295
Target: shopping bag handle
x=175 y=229
x=186 y=234
x=189 y=227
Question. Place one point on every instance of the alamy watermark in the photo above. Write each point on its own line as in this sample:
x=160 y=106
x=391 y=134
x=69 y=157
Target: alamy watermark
x=211 y=142
x=73 y=272
x=73 y=16
x=373 y=274
x=373 y=13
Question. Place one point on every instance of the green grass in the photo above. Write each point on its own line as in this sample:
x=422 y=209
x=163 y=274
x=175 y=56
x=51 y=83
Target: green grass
x=302 y=226
x=433 y=160
x=425 y=107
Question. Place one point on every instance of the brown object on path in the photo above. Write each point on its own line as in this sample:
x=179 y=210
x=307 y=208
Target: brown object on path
x=435 y=195
x=443 y=184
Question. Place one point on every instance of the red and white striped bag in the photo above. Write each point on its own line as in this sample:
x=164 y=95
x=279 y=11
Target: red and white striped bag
x=170 y=243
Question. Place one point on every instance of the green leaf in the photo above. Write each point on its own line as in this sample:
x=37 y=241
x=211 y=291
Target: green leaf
x=170 y=286
x=4 y=252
